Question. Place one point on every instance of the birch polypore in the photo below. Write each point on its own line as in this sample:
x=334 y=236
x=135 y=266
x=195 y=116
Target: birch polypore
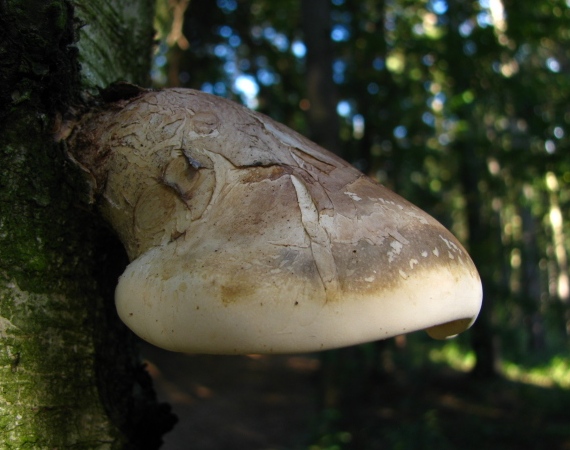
x=245 y=237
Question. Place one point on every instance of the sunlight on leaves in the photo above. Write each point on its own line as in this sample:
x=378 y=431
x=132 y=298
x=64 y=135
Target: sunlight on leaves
x=454 y=356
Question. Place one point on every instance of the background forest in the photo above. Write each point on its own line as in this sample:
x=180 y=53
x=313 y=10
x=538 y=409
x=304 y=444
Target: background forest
x=462 y=107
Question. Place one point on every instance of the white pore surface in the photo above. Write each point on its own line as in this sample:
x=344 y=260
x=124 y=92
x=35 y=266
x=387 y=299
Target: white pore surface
x=186 y=313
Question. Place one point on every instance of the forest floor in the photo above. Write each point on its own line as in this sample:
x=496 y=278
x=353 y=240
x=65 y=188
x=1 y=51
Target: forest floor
x=270 y=403
x=235 y=402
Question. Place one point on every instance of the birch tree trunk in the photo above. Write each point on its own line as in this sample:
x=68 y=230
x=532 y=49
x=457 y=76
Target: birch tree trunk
x=69 y=375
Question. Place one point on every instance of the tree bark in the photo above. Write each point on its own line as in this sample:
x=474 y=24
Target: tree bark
x=69 y=375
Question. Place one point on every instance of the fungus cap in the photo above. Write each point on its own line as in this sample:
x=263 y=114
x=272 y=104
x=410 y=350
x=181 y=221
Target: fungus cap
x=245 y=237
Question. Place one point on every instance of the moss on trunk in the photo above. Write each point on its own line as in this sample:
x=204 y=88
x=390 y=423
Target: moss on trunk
x=68 y=374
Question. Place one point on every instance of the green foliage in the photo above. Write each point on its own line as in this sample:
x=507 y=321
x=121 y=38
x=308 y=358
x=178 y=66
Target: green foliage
x=454 y=356
x=464 y=109
x=555 y=372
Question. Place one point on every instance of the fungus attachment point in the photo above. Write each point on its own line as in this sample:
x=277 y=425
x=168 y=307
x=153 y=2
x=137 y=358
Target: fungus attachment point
x=245 y=237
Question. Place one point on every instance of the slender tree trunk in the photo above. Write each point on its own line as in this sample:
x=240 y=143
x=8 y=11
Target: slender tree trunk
x=530 y=282
x=69 y=377
x=321 y=90
x=483 y=250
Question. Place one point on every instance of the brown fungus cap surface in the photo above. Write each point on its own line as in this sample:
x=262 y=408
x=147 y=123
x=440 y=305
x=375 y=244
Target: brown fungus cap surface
x=245 y=237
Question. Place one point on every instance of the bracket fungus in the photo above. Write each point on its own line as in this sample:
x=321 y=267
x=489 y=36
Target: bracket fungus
x=245 y=237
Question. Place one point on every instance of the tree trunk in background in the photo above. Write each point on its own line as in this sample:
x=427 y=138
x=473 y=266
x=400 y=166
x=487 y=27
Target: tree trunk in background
x=321 y=90
x=69 y=375
x=530 y=289
x=483 y=249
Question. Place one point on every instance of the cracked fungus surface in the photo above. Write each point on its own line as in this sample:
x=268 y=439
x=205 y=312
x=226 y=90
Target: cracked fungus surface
x=217 y=204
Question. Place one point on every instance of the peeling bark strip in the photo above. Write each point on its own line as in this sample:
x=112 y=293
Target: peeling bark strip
x=246 y=237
